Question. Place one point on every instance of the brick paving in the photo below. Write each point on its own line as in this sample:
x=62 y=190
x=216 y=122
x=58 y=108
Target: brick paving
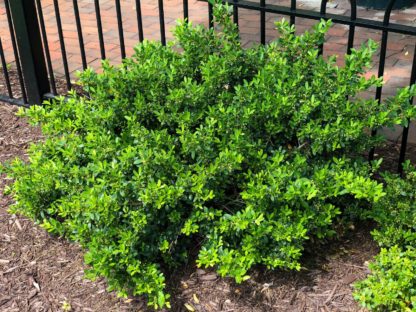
x=399 y=54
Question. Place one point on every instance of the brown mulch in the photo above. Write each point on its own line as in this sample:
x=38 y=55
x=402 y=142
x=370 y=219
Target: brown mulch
x=39 y=272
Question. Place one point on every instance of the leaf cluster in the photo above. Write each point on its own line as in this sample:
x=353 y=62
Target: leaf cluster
x=392 y=282
x=391 y=285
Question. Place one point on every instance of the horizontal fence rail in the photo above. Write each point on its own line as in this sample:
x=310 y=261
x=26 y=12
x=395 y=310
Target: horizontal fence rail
x=338 y=19
x=28 y=68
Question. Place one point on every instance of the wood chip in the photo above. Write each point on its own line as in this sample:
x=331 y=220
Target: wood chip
x=36 y=285
x=4 y=261
x=32 y=293
x=19 y=226
x=331 y=294
x=356 y=266
x=10 y=270
x=4 y=300
x=209 y=277
x=292 y=299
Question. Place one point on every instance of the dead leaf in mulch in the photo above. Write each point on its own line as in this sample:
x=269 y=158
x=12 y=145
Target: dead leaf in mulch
x=349 y=279
x=189 y=307
x=200 y=272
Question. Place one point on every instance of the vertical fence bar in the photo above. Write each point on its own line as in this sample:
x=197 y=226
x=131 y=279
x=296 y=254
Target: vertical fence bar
x=235 y=11
x=323 y=7
x=263 y=22
x=46 y=46
x=62 y=44
x=210 y=15
x=120 y=29
x=99 y=28
x=15 y=52
x=80 y=36
x=5 y=70
x=186 y=10
x=292 y=9
x=383 y=51
x=162 y=22
x=29 y=43
x=322 y=12
x=405 y=135
x=351 y=33
x=139 y=20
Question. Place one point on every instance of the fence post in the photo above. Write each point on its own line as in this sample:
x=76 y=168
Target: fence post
x=29 y=42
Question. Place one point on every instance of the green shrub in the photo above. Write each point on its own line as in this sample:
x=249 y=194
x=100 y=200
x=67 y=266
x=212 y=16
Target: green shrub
x=245 y=152
x=392 y=283
x=391 y=286
x=396 y=212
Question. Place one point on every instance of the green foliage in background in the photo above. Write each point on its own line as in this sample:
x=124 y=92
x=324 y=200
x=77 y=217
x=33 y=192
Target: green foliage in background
x=243 y=152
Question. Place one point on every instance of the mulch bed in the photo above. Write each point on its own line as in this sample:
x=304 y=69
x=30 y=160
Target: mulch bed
x=39 y=272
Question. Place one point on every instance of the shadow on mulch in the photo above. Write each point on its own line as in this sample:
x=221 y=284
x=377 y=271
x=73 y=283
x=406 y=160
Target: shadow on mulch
x=323 y=284
x=39 y=272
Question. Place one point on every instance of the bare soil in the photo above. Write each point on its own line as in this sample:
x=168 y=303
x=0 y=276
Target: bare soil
x=39 y=272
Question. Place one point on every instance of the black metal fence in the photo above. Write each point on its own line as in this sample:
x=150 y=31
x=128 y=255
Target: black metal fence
x=32 y=59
